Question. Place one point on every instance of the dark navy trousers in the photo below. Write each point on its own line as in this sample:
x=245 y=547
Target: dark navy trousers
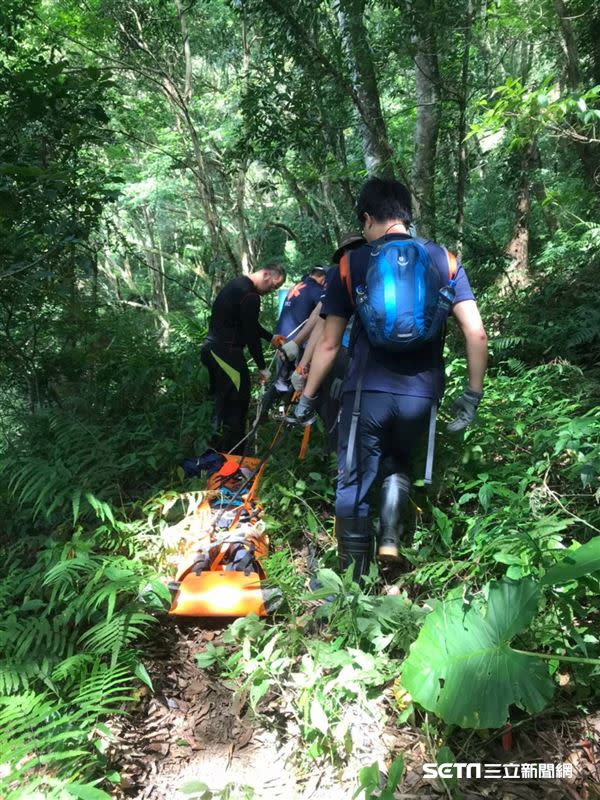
x=390 y=428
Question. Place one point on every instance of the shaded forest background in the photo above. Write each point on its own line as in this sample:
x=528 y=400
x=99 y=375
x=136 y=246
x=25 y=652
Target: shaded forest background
x=152 y=149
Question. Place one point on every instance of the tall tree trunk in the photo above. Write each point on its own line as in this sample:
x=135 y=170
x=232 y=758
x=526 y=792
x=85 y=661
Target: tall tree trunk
x=569 y=45
x=187 y=51
x=344 y=182
x=334 y=142
x=485 y=46
x=518 y=246
x=362 y=86
x=593 y=21
x=329 y=201
x=524 y=159
x=179 y=97
x=181 y=101
x=247 y=255
x=428 y=118
x=95 y=280
x=157 y=276
x=589 y=154
x=538 y=189
x=304 y=203
x=461 y=158
x=377 y=151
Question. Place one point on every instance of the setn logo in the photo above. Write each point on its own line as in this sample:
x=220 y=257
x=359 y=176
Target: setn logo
x=448 y=770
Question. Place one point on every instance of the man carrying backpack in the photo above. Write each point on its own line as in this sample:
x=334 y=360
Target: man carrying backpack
x=234 y=325
x=402 y=290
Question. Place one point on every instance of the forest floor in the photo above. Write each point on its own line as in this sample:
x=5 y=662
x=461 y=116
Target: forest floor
x=198 y=728
x=195 y=728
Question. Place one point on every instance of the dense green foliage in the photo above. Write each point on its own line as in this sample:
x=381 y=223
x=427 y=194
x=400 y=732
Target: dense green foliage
x=150 y=150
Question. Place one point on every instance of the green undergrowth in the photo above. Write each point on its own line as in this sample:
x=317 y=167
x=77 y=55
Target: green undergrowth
x=505 y=544
x=74 y=618
x=78 y=605
x=310 y=668
x=505 y=549
x=81 y=567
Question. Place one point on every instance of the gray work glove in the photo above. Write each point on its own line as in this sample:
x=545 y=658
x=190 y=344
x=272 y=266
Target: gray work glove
x=290 y=350
x=465 y=408
x=264 y=376
x=304 y=413
x=299 y=379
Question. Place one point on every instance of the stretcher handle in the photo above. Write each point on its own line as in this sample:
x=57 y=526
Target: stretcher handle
x=305 y=441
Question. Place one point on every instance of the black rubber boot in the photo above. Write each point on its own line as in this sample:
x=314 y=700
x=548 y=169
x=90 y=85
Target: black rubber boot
x=354 y=544
x=394 y=497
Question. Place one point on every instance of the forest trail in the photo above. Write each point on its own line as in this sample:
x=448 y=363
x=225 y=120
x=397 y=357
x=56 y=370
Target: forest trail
x=197 y=729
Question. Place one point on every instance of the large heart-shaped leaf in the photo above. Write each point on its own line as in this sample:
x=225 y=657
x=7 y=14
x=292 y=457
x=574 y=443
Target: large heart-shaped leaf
x=461 y=666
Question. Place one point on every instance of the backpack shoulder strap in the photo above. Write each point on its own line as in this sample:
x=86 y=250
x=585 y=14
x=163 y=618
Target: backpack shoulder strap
x=361 y=369
x=452 y=264
x=345 y=274
x=450 y=257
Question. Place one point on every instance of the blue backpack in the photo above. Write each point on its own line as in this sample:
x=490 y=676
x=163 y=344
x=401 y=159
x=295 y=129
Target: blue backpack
x=403 y=303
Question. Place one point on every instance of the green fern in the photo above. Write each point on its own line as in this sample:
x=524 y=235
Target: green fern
x=110 y=637
x=68 y=624
x=503 y=343
x=104 y=689
x=516 y=367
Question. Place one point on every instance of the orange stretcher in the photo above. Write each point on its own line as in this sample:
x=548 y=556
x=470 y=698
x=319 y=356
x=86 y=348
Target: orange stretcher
x=220 y=574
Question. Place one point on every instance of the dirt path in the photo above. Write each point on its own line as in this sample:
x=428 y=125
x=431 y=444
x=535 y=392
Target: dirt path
x=195 y=728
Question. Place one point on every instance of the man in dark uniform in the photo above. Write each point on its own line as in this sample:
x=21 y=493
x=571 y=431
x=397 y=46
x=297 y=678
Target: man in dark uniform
x=330 y=393
x=297 y=308
x=398 y=389
x=234 y=325
x=300 y=301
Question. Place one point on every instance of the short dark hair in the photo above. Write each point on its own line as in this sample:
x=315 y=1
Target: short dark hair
x=384 y=199
x=277 y=268
x=318 y=270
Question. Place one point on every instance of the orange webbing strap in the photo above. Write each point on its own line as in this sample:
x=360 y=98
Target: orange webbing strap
x=345 y=274
x=452 y=264
x=304 y=445
x=236 y=518
x=258 y=475
x=246 y=499
x=219 y=557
